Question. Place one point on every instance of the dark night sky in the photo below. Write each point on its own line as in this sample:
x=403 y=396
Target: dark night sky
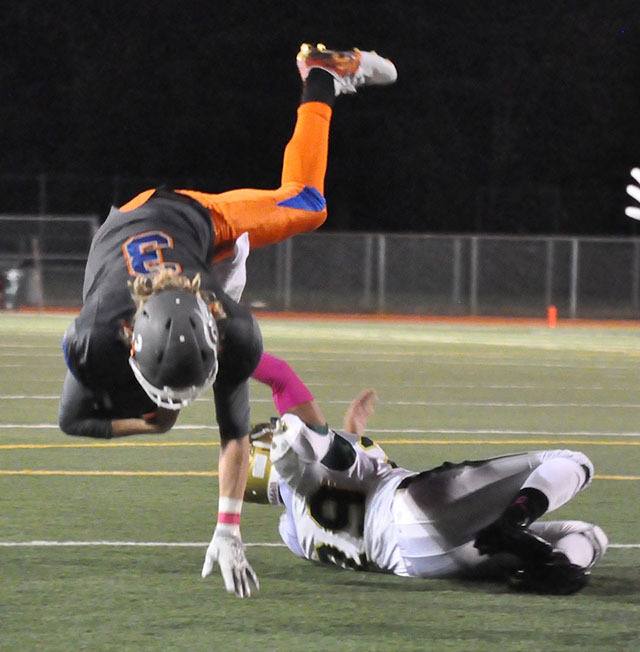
x=508 y=116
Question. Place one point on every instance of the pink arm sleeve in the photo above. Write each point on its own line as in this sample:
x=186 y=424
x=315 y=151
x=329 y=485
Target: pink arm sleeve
x=286 y=386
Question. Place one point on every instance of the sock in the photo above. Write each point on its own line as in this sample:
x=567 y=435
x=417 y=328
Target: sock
x=229 y=511
x=529 y=505
x=318 y=87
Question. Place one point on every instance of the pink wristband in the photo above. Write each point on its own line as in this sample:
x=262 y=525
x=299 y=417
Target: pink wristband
x=229 y=518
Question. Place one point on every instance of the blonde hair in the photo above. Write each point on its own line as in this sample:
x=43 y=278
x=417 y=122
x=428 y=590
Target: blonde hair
x=145 y=286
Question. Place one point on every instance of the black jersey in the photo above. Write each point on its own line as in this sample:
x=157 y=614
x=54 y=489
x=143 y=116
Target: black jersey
x=168 y=230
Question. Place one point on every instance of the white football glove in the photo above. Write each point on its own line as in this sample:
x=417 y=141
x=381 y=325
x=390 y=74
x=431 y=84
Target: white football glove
x=227 y=549
x=634 y=191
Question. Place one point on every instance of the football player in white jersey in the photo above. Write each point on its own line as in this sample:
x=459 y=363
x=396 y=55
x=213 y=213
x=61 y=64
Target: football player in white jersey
x=346 y=504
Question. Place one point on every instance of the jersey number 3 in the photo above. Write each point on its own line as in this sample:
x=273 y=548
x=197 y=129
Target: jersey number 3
x=143 y=252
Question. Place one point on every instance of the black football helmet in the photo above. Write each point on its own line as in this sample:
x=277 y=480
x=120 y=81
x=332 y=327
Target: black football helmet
x=174 y=352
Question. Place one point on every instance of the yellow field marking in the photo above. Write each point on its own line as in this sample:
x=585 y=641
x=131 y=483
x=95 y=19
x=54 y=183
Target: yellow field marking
x=124 y=444
x=385 y=442
x=158 y=474
x=617 y=477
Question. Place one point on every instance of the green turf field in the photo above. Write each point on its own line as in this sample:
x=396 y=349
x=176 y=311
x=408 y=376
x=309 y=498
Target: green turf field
x=446 y=393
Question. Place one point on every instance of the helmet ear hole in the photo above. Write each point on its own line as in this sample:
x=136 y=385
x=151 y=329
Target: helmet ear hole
x=160 y=356
x=192 y=321
x=167 y=326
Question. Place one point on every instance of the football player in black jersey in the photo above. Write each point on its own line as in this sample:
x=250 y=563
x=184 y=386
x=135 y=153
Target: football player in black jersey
x=158 y=325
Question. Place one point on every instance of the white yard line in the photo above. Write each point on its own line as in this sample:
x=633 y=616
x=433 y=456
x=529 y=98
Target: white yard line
x=505 y=404
x=505 y=431
x=426 y=386
x=429 y=361
x=302 y=354
x=54 y=426
x=632 y=387
x=174 y=544
x=31 y=355
x=124 y=544
x=30 y=346
x=398 y=431
x=468 y=363
x=464 y=404
x=26 y=365
x=29 y=397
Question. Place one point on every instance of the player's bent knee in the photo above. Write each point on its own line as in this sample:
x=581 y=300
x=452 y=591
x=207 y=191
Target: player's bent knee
x=314 y=220
x=586 y=464
x=592 y=539
x=579 y=458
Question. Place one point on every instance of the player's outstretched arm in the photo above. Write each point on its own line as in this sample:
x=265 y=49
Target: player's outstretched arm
x=633 y=190
x=77 y=416
x=226 y=547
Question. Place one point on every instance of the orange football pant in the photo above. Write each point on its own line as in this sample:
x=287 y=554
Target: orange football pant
x=260 y=212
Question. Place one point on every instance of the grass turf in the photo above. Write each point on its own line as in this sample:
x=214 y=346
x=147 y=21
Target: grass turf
x=445 y=393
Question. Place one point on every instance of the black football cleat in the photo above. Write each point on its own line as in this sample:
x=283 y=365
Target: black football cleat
x=556 y=576
x=502 y=536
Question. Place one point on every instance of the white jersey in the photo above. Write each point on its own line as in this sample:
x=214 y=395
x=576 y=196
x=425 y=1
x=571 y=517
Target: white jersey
x=232 y=272
x=338 y=490
x=344 y=505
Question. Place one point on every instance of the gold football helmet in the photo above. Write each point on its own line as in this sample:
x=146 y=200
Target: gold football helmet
x=262 y=482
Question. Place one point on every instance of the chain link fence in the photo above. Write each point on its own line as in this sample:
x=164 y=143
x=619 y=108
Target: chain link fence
x=449 y=275
x=42 y=262
x=42 y=259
